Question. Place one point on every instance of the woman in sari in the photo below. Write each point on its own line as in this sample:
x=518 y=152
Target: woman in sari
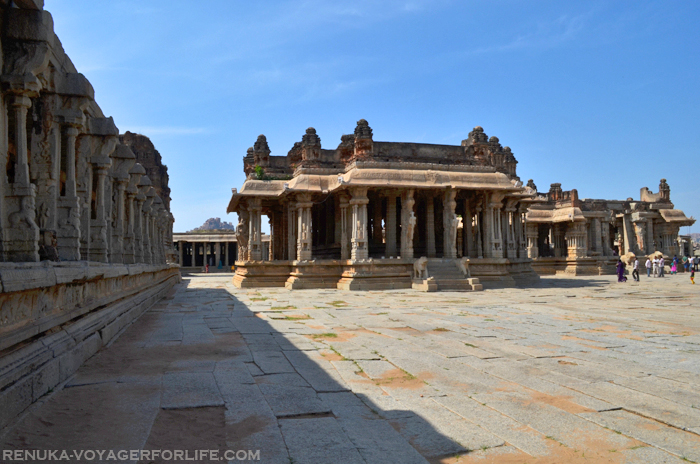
x=621 y=271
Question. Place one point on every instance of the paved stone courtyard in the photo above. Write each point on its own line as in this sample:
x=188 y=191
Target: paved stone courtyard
x=574 y=370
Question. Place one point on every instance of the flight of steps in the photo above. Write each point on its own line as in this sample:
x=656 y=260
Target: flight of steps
x=449 y=277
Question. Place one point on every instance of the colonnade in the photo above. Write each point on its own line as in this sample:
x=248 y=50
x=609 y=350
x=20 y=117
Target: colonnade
x=209 y=249
x=361 y=222
x=70 y=190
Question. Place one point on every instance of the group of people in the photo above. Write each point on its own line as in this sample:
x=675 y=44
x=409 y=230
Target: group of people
x=657 y=266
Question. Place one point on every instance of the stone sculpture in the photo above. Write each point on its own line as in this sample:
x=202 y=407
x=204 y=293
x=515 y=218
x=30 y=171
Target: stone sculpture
x=420 y=268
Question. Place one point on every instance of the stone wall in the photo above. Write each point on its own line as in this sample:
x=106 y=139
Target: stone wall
x=85 y=233
x=147 y=155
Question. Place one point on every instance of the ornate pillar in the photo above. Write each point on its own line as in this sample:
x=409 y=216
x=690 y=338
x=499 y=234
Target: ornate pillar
x=68 y=234
x=576 y=239
x=494 y=227
x=522 y=252
x=512 y=251
x=467 y=222
x=217 y=253
x=305 y=224
x=345 y=221
x=390 y=250
x=650 y=236
x=479 y=222
x=22 y=234
x=377 y=235
x=147 y=226
x=450 y=223
x=291 y=228
x=430 y=225
x=359 y=223
x=640 y=229
x=255 y=233
x=408 y=223
x=532 y=235
x=605 y=237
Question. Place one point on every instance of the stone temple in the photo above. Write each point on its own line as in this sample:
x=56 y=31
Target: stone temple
x=361 y=216
x=380 y=215
x=85 y=233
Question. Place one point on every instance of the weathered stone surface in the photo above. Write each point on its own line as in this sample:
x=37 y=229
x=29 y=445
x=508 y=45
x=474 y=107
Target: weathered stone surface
x=316 y=440
x=190 y=390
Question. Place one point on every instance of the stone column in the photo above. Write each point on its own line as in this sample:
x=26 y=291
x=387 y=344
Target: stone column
x=98 y=226
x=605 y=237
x=408 y=224
x=146 y=227
x=650 y=236
x=640 y=229
x=291 y=229
x=493 y=227
x=430 y=226
x=512 y=251
x=255 y=233
x=479 y=230
x=344 y=224
x=468 y=231
x=359 y=223
x=391 y=225
x=597 y=236
x=576 y=240
x=217 y=253
x=181 y=253
x=68 y=234
x=522 y=211
x=305 y=224
x=377 y=220
x=449 y=225
x=532 y=235
x=226 y=254
x=118 y=227
x=22 y=234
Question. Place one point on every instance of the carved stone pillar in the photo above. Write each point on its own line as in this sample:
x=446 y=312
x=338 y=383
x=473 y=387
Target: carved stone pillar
x=449 y=223
x=430 y=226
x=558 y=239
x=291 y=231
x=650 y=236
x=98 y=226
x=640 y=229
x=217 y=253
x=408 y=224
x=605 y=237
x=345 y=222
x=467 y=221
x=532 y=235
x=377 y=236
x=68 y=234
x=359 y=223
x=390 y=250
x=576 y=240
x=494 y=227
x=147 y=226
x=255 y=234
x=304 y=231
x=226 y=255
x=181 y=253
x=511 y=218
x=479 y=230
x=22 y=234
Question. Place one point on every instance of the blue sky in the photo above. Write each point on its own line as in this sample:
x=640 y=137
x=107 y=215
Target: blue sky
x=601 y=96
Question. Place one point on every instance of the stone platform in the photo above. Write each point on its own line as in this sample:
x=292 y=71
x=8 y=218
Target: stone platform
x=576 y=370
x=54 y=316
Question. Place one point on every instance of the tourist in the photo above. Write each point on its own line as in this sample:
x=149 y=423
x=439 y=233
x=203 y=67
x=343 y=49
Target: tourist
x=662 y=266
x=692 y=275
x=648 y=266
x=656 y=267
x=685 y=263
x=206 y=269
x=635 y=271
x=691 y=262
x=674 y=266
x=621 y=271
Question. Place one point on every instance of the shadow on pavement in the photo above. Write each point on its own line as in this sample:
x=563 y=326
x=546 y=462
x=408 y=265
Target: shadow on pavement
x=201 y=371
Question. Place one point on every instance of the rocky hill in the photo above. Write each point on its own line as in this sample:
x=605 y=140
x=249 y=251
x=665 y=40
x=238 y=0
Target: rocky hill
x=214 y=224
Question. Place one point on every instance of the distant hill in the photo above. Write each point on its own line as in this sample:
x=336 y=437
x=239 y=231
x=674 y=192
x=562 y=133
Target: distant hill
x=214 y=224
x=695 y=237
